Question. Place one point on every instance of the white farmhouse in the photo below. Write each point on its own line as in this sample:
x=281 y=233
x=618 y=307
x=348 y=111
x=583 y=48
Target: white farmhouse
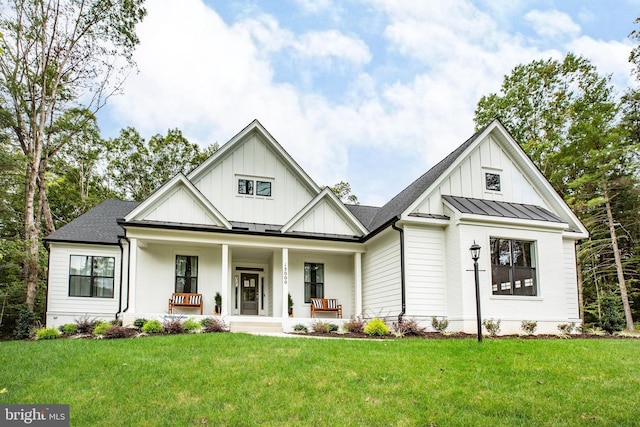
x=250 y=225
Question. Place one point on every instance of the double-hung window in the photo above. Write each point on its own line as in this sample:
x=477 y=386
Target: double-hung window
x=313 y=281
x=91 y=276
x=187 y=274
x=513 y=267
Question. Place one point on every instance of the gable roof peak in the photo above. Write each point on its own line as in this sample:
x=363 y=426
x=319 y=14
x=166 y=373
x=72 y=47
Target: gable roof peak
x=397 y=205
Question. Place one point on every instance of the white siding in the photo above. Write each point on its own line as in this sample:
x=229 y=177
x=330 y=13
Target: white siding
x=156 y=276
x=61 y=308
x=468 y=180
x=338 y=281
x=324 y=219
x=252 y=159
x=550 y=308
x=381 y=275
x=182 y=207
x=425 y=271
x=571 y=279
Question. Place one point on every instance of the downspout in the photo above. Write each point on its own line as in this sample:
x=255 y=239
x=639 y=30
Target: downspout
x=120 y=287
x=128 y=273
x=402 y=281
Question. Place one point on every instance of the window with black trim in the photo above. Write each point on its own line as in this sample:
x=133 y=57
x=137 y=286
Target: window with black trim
x=492 y=181
x=245 y=186
x=187 y=274
x=313 y=281
x=513 y=267
x=91 y=276
x=263 y=188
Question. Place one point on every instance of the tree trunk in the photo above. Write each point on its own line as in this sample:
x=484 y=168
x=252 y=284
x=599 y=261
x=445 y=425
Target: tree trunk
x=31 y=234
x=618 y=260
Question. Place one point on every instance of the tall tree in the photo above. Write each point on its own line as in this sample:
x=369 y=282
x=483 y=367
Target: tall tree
x=77 y=180
x=57 y=55
x=564 y=115
x=136 y=168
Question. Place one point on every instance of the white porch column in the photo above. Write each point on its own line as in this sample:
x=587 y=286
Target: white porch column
x=357 y=268
x=285 y=282
x=133 y=273
x=224 y=281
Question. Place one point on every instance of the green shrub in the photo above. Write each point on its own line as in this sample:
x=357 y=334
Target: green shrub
x=612 y=319
x=101 y=328
x=153 y=327
x=440 y=325
x=529 y=326
x=492 y=326
x=191 y=325
x=354 y=325
x=69 y=329
x=47 y=334
x=299 y=327
x=139 y=323
x=376 y=327
x=24 y=323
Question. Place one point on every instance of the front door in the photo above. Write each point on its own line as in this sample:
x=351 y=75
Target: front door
x=249 y=294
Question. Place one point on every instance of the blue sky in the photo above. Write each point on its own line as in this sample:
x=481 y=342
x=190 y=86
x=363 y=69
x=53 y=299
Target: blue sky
x=370 y=92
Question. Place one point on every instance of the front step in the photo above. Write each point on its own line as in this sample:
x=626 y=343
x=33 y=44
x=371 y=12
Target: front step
x=255 y=327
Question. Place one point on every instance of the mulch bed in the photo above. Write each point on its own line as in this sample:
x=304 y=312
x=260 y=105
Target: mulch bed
x=461 y=335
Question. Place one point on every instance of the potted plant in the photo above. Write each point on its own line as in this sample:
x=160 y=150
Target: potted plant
x=218 y=298
x=290 y=306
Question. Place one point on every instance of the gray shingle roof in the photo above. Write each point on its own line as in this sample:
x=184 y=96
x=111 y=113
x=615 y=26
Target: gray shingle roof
x=364 y=213
x=502 y=209
x=406 y=197
x=98 y=225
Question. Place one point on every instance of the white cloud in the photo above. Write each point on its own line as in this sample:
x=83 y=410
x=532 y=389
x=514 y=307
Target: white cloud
x=609 y=57
x=327 y=44
x=210 y=79
x=552 y=23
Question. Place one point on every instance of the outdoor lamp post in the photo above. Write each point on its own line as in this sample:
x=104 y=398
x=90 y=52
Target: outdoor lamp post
x=475 y=255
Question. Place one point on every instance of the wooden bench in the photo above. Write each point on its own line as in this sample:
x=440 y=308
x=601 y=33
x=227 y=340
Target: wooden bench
x=183 y=300
x=324 y=305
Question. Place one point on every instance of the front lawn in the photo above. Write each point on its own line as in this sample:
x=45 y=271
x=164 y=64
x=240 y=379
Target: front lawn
x=238 y=379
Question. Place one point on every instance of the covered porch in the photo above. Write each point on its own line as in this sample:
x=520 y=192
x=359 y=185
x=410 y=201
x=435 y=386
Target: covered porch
x=254 y=275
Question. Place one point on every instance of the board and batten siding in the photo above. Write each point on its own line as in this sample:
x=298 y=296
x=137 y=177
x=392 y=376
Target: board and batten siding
x=182 y=207
x=468 y=180
x=253 y=159
x=425 y=271
x=323 y=218
x=61 y=308
x=381 y=275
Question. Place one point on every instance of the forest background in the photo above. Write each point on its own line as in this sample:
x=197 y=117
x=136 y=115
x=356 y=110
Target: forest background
x=61 y=61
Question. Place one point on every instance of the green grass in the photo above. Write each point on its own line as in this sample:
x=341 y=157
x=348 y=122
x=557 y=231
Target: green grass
x=237 y=379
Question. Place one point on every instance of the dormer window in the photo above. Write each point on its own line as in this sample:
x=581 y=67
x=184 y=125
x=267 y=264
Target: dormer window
x=492 y=181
